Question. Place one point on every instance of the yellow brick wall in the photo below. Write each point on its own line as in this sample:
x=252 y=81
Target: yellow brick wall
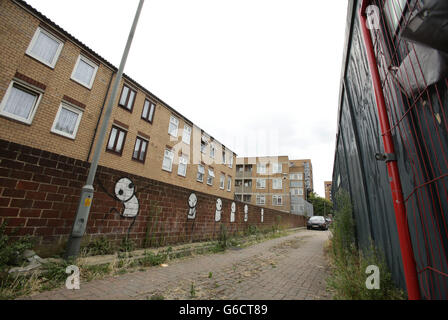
x=17 y=28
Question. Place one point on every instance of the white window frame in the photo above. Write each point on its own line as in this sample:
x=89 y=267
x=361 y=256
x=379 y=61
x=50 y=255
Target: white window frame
x=175 y=122
x=276 y=166
x=260 y=166
x=210 y=176
x=300 y=192
x=231 y=161
x=90 y=63
x=222 y=181
x=72 y=109
x=259 y=197
x=275 y=183
x=224 y=157
x=183 y=163
x=201 y=170
x=34 y=90
x=170 y=157
x=33 y=42
x=186 y=132
x=275 y=199
x=264 y=184
x=212 y=150
x=229 y=183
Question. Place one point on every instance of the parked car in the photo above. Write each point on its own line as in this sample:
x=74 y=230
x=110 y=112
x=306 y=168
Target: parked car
x=329 y=221
x=317 y=222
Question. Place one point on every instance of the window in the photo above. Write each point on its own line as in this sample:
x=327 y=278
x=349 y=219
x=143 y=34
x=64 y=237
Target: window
x=238 y=197
x=231 y=161
x=201 y=172
x=229 y=183
x=239 y=168
x=261 y=183
x=247 y=198
x=212 y=151
x=203 y=145
x=116 y=140
x=127 y=98
x=210 y=177
x=277 y=183
x=84 y=72
x=67 y=121
x=186 y=134
x=277 y=200
x=45 y=47
x=141 y=146
x=296 y=184
x=168 y=157
x=261 y=168
x=148 y=111
x=182 y=168
x=20 y=103
x=300 y=192
x=277 y=168
x=248 y=168
x=223 y=157
x=261 y=199
x=222 y=181
x=238 y=183
x=248 y=183
x=173 y=126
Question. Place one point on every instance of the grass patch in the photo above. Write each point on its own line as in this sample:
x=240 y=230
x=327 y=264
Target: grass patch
x=348 y=264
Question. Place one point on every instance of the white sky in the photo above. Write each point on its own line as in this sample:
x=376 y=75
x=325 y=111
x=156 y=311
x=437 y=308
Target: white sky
x=260 y=76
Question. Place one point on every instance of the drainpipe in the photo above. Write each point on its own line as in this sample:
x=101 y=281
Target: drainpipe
x=407 y=254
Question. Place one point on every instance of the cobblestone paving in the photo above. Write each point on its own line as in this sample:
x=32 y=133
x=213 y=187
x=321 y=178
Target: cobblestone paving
x=288 y=268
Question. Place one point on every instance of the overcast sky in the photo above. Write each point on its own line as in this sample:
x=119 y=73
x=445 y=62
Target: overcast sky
x=260 y=76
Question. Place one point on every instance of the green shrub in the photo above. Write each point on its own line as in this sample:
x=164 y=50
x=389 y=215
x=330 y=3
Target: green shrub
x=98 y=246
x=11 y=251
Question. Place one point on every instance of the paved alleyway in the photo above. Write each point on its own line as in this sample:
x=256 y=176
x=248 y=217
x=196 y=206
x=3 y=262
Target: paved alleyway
x=292 y=267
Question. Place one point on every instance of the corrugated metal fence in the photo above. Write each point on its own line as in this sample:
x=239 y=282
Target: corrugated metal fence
x=414 y=79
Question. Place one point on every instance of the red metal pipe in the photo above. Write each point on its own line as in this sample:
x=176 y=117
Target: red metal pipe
x=407 y=253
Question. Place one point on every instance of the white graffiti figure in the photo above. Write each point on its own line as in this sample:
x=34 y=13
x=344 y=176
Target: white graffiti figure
x=262 y=215
x=232 y=212
x=192 y=202
x=125 y=192
x=246 y=213
x=218 y=210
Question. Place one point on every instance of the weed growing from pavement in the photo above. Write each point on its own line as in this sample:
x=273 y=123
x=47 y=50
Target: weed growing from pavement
x=348 y=264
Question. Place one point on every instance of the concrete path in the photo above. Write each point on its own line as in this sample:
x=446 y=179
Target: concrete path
x=288 y=268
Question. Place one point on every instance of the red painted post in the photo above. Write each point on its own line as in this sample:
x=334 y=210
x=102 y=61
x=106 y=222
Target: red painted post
x=407 y=254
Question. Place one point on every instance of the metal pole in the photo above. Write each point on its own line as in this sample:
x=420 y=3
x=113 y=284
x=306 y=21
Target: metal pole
x=85 y=202
x=407 y=253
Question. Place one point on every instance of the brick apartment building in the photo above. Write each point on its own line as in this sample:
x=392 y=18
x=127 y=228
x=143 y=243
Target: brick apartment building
x=53 y=92
x=274 y=182
x=328 y=185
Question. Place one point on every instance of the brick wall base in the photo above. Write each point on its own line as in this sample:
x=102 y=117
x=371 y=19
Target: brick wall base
x=39 y=194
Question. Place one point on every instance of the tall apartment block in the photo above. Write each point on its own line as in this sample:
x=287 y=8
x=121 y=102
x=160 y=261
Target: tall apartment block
x=274 y=182
x=53 y=93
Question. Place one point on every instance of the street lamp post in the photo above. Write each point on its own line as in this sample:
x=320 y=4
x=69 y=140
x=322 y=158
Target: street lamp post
x=85 y=202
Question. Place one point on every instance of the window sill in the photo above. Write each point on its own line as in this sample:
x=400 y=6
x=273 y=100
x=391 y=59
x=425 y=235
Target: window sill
x=41 y=62
x=124 y=108
x=8 y=117
x=114 y=152
x=82 y=84
x=63 y=135
x=166 y=170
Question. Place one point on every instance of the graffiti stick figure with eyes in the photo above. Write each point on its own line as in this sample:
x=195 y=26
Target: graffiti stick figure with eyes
x=218 y=210
x=125 y=192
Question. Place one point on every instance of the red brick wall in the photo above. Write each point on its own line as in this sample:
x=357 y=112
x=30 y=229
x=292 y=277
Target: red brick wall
x=39 y=194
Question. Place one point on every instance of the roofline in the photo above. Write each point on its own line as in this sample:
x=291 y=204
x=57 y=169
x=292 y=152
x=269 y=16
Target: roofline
x=42 y=17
